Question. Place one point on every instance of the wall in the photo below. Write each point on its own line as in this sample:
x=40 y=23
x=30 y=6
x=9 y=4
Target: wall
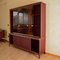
x=52 y=21
x=53 y=29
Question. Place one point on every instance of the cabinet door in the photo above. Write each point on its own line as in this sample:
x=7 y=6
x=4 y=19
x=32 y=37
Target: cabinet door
x=36 y=20
x=22 y=42
x=36 y=27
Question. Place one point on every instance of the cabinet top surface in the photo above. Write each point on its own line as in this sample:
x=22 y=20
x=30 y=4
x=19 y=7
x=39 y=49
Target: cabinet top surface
x=25 y=35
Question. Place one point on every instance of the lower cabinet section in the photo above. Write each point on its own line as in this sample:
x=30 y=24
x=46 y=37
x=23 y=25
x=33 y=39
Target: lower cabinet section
x=31 y=44
x=28 y=44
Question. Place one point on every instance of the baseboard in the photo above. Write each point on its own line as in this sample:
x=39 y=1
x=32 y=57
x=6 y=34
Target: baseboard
x=53 y=55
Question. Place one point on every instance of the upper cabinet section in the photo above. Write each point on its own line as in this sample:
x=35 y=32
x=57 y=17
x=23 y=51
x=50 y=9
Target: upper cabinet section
x=27 y=19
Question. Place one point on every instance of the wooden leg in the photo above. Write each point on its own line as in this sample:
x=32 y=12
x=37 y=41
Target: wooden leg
x=39 y=56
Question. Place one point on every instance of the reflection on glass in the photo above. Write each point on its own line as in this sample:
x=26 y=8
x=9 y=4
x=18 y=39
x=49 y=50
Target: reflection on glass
x=20 y=18
x=15 y=18
x=20 y=21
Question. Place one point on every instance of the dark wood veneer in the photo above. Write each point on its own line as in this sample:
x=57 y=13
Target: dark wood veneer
x=34 y=38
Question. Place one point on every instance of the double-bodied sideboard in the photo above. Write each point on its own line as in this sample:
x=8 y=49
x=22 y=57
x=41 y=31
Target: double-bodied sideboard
x=28 y=27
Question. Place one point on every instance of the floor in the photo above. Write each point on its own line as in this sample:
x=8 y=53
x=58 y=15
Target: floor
x=12 y=53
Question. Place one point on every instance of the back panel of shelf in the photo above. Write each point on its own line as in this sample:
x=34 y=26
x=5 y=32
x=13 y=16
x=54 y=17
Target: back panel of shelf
x=35 y=45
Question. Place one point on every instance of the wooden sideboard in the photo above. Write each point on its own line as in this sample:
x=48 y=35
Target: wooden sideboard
x=29 y=32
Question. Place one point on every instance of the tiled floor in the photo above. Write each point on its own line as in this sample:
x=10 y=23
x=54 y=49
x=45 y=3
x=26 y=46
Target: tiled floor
x=12 y=53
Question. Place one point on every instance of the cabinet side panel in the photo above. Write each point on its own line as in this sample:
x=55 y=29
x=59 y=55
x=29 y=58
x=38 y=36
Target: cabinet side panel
x=11 y=21
x=43 y=28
